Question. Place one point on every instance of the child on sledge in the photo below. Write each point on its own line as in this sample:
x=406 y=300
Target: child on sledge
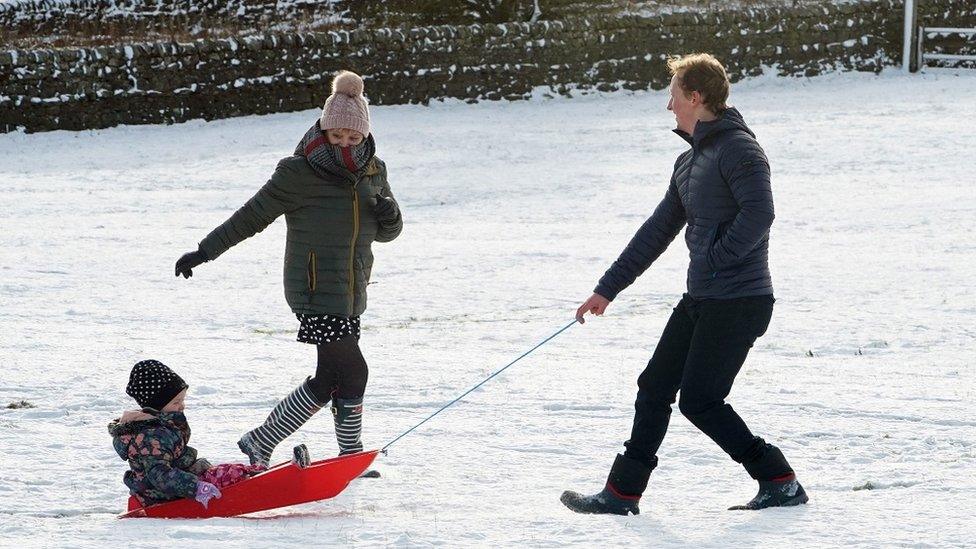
x=336 y=200
x=162 y=466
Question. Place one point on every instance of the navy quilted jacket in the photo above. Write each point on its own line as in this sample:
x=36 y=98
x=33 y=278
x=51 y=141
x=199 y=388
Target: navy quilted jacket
x=720 y=189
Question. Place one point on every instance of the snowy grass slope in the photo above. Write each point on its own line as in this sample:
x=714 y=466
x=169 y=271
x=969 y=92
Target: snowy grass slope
x=513 y=210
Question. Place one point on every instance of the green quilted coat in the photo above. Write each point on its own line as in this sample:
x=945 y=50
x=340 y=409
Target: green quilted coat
x=331 y=227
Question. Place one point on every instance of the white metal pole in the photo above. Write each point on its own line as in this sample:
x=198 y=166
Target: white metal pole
x=906 y=50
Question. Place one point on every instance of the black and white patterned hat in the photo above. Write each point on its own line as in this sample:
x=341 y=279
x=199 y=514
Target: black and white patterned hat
x=153 y=384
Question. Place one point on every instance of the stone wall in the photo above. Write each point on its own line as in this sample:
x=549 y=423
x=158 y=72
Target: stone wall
x=54 y=17
x=83 y=88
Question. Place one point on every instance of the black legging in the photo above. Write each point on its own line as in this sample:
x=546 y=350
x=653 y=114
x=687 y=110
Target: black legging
x=341 y=371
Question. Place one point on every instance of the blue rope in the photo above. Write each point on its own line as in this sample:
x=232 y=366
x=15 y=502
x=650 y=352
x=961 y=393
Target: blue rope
x=486 y=380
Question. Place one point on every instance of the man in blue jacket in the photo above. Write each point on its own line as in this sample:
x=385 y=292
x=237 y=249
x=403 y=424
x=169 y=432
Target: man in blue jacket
x=720 y=190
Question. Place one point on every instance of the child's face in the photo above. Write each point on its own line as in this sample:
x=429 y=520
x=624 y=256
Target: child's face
x=344 y=137
x=177 y=404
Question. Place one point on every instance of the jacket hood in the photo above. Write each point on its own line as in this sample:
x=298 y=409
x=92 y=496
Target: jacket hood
x=122 y=432
x=728 y=120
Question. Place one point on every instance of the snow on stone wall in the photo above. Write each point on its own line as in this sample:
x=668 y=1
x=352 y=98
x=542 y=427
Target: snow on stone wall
x=83 y=88
x=54 y=16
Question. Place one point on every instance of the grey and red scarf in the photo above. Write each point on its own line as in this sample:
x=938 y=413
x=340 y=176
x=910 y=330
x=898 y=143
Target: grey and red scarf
x=330 y=160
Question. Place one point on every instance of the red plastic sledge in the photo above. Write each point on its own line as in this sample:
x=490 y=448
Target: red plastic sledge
x=283 y=485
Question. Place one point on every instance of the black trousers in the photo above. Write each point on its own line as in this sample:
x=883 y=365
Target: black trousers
x=700 y=352
x=341 y=371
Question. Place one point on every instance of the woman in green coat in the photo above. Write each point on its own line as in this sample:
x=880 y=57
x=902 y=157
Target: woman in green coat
x=336 y=201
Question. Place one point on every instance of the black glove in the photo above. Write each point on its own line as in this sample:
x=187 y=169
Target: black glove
x=386 y=210
x=186 y=263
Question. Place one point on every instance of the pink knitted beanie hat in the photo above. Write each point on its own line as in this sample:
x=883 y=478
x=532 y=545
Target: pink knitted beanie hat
x=346 y=107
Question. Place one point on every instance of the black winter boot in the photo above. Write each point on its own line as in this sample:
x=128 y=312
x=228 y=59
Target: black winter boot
x=778 y=486
x=621 y=494
x=775 y=493
x=606 y=502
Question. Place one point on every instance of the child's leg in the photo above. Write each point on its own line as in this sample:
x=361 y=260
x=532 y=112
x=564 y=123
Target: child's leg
x=226 y=474
x=343 y=361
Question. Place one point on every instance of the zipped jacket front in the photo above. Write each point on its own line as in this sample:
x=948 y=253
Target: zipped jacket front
x=720 y=192
x=331 y=227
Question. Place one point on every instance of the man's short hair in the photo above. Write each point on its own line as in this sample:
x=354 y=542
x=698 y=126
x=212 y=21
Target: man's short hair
x=702 y=73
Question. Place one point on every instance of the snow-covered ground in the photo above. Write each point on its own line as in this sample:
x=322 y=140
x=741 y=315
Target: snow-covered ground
x=513 y=211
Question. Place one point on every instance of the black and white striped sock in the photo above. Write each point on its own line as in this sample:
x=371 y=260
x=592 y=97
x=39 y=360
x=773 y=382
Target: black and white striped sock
x=348 y=415
x=286 y=417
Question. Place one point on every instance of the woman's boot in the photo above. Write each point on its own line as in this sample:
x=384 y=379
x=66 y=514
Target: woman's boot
x=286 y=417
x=348 y=415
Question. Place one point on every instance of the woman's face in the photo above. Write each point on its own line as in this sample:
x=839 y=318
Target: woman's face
x=684 y=107
x=344 y=137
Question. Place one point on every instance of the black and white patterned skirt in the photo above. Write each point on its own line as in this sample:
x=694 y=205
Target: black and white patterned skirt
x=318 y=329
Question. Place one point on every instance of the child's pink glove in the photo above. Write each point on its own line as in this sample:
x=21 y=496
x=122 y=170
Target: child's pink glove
x=205 y=492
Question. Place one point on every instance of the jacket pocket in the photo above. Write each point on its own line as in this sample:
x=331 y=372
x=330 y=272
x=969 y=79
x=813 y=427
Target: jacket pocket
x=703 y=244
x=712 y=238
x=714 y=235
x=717 y=233
x=312 y=272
